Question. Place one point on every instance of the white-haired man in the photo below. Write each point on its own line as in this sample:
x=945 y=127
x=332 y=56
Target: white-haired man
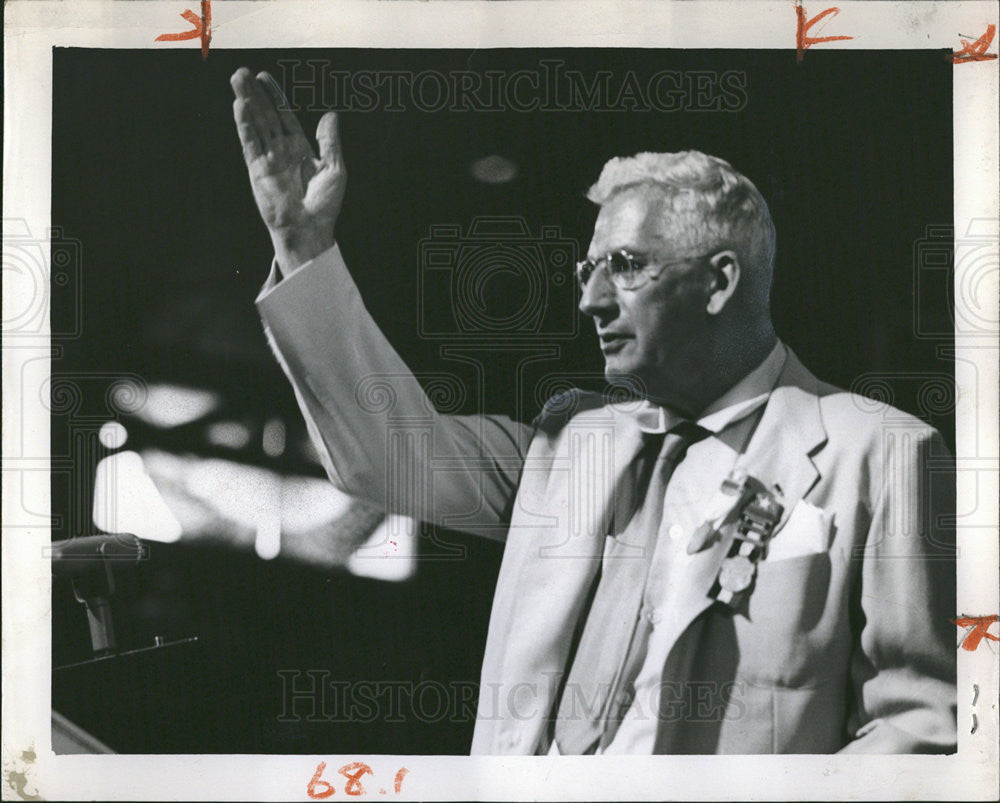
x=743 y=560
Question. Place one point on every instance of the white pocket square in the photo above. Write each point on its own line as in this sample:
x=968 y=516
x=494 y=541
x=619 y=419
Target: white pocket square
x=806 y=532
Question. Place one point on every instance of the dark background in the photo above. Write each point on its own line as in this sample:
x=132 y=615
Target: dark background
x=852 y=150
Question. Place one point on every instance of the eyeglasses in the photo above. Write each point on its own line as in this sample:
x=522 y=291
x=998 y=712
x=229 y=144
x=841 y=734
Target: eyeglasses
x=626 y=271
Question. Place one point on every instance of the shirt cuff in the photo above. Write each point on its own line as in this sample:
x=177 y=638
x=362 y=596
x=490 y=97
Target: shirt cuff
x=329 y=260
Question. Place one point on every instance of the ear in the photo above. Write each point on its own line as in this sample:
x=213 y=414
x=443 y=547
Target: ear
x=724 y=274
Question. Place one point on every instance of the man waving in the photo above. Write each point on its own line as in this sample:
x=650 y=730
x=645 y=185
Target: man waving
x=738 y=559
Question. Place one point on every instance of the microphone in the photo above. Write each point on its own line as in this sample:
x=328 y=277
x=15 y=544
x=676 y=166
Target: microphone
x=76 y=557
x=87 y=562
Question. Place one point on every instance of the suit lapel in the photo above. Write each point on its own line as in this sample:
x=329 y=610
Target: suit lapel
x=790 y=432
x=779 y=455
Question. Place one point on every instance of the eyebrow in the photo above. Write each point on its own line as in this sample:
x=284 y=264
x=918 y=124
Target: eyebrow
x=636 y=252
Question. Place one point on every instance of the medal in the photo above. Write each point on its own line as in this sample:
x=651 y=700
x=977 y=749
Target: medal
x=737 y=574
x=722 y=507
x=759 y=513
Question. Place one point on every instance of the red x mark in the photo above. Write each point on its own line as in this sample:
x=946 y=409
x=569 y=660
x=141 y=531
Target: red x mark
x=978 y=627
x=202 y=28
x=975 y=51
x=802 y=41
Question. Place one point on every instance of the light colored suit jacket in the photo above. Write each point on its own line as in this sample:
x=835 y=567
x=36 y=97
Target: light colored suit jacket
x=845 y=642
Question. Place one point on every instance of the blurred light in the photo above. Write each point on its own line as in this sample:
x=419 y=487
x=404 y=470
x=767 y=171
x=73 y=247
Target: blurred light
x=242 y=494
x=389 y=553
x=267 y=539
x=267 y=543
x=493 y=169
x=213 y=499
x=112 y=435
x=309 y=501
x=170 y=406
x=305 y=519
x=273 y=438
x=127 y=501
x=227 y=502
x=229 y=434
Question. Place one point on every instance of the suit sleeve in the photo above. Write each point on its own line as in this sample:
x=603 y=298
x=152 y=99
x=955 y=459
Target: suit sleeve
x=903 y=672
x=377 y=432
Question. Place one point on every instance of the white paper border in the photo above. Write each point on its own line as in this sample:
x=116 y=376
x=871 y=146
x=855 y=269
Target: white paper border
x=33 y=28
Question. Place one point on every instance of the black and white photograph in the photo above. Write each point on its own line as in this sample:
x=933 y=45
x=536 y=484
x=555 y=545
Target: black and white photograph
x=372 y=411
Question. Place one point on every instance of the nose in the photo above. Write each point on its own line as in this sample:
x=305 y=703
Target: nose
x=599 y=299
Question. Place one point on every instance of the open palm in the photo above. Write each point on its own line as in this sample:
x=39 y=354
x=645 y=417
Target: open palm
x=299 y=195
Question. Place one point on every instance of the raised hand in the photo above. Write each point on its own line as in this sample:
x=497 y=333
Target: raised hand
x=299 y=195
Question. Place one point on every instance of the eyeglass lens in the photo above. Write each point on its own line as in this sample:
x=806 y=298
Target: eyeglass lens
x=621 y=268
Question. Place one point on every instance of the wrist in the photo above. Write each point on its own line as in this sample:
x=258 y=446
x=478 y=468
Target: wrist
x=295 y=247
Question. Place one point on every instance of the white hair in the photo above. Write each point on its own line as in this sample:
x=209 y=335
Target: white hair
x=707 y=201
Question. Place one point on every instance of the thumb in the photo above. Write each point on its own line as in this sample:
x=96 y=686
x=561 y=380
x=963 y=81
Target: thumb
x=328 y=138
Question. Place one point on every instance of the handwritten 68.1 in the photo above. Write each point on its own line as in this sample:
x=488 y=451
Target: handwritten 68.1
x=319 y=789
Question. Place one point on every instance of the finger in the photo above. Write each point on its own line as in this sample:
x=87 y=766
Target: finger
x=257 y=103
x=250 y=138
x=289 y=122
x=242 y=83
x=266 y=106
x=328 y=137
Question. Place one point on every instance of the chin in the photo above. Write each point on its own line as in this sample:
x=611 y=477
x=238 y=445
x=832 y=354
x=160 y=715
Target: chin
x=621 y=372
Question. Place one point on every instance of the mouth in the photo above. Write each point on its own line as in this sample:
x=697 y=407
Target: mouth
x=612 y=343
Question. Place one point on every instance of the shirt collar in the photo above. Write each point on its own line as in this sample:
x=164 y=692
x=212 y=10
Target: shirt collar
x=743 y=398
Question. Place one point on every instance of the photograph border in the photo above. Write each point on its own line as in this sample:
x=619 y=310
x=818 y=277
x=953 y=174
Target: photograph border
x=32 y=29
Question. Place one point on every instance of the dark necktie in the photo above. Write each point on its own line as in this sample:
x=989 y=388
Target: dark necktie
x=587 y=701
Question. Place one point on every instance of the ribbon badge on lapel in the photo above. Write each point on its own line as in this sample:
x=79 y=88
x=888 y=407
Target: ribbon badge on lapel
x=748 y=504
